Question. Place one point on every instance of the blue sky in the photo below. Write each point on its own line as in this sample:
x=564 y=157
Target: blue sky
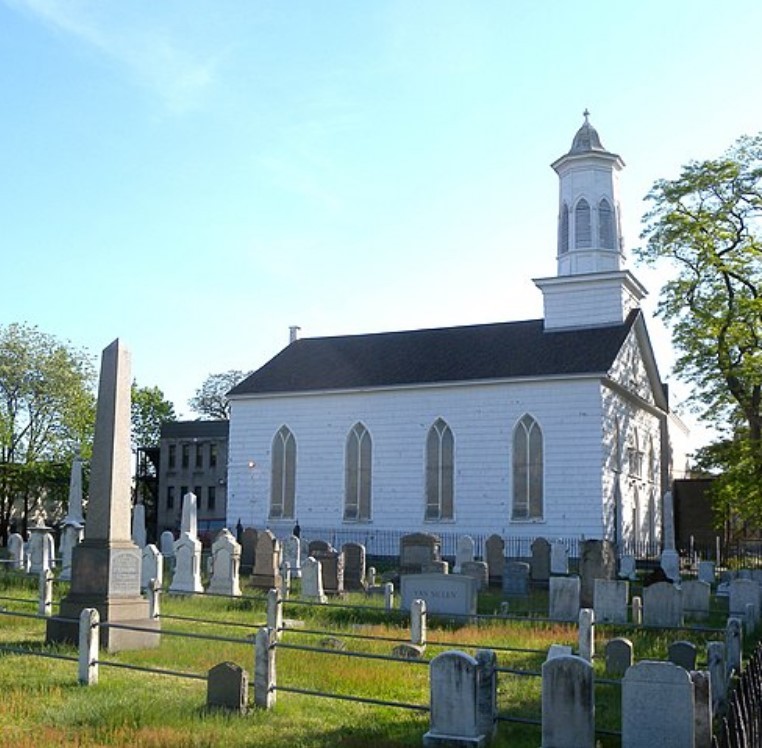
x=196 y=176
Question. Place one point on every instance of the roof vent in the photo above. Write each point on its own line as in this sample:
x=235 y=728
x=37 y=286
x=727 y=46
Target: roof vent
x=293 y=333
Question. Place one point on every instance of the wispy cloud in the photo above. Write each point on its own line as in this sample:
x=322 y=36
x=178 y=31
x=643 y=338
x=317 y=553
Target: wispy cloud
x=129 y=36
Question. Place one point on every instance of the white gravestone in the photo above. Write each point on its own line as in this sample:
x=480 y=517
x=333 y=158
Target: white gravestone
x=706 y=572
x=39 y=549
x=742 y=592
x=226 y=553
x=696 y=596
x=187 y=551
x=454 y=717
x=312 y=581
x=628 y=568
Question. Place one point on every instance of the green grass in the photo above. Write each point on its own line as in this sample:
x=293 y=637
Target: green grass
x=42 y=705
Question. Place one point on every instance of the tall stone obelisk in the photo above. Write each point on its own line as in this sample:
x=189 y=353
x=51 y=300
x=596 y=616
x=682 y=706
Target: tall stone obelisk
x=106 y=564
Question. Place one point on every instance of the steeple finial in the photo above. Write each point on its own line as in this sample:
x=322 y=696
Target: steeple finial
x=586 y=114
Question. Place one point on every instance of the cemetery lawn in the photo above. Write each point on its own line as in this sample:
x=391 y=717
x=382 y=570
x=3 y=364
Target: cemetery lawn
x=43 y=705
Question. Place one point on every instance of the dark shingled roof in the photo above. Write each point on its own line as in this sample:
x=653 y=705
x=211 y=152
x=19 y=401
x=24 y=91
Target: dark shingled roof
x=448 y=354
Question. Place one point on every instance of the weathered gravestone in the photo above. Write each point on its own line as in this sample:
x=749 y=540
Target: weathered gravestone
x=516 y=578
x=73 y=526
x=16 y=551
x=696 y=596
x=563 y=600
x=455 y=714
x=657 y=706
x=167 y=544
x=318 y=546
x=227 y=687
x=417 y=550
x=662 y=605
x=106 y=565
x=292 y=555
x=495 y=551
x=628 y=568
x=464 y=552
x=670 y=563
x=597 y=561
x=717 y=666
x=733 y=646
x=248 y=550
x=226 y=555
x=266 y=572
x=743 y=592
x=568 y=703
x=682 y=653
x=478 y=570
x=40 y=558
x=332 y=564
x=540 y=563
x=354 y=566
x=706 y=572
x=445 y=594
x=139 y=525
x=312 y=580
x=702 y=702
x=611 y=598
x=618 y=655
x=151 y=567
x=559 y=558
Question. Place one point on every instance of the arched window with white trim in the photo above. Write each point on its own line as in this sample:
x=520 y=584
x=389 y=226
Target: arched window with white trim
x=583 y=233
x=528 y=469
x=440 y=464
x=606 y=237
x=283 y=475
x=358 y=474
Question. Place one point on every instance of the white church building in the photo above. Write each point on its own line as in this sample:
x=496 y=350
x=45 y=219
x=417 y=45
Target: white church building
x=554 y=427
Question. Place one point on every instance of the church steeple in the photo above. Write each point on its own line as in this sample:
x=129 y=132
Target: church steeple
x=589 y=226
x=592 y=287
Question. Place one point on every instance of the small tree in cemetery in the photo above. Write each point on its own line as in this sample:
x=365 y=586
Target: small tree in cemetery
x=210 y=400
x=47 y=415
x=706 y=225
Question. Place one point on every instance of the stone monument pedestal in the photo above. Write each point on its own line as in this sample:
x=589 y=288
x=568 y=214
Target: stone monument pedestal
x=106 y=576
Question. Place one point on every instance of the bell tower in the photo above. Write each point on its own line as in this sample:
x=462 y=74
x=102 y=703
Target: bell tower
x=592 y=288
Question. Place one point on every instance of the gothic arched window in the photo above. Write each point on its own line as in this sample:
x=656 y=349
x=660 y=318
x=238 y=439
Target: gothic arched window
x=440 y=462
x=563 y=230
x=582 y=227
x=528 y=468
x=606 y=225
x=283 y=475
x=357 y=474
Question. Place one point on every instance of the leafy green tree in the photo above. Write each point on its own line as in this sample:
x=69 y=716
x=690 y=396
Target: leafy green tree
x=47 y=413
x=706 y=225
x=210 y=400
x=150 y=410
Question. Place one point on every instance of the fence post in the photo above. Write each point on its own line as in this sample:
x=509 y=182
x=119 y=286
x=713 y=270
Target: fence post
x=418 y=623
x=154 y=592
x=275 y=612
x=586 y=634
x=89 y=637
x=389 y=596
x=285 y=576
x=264 y=668
x=46 y=593
x=487 y=696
